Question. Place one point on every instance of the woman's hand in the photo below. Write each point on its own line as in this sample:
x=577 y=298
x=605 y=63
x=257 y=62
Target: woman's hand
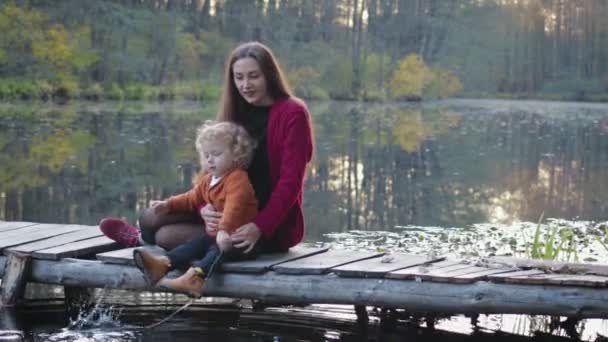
x=246 y=236
x=160 y=207
x=211 y=218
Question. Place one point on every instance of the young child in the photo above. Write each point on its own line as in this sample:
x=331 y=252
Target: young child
x=225 y=149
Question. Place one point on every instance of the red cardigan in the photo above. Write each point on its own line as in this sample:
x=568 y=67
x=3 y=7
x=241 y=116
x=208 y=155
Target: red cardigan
x=290 y=148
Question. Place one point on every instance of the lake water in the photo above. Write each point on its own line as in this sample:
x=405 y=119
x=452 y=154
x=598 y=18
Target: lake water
x=463 y=177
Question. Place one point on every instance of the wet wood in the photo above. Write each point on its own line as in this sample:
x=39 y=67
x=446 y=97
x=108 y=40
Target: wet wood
x=83 y=233
x=265 y=261
x=81 y=248
x=14 y=278
x=322 y=263
x=378 y=267
x=552 y=266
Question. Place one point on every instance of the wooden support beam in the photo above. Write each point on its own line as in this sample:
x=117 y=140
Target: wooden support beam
x=361 y=312
x=2 y=265
x=414 y=296
x=10 y=329
x=14 y=278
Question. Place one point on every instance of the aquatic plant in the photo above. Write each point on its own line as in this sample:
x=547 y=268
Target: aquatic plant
x=558 y=241
x=604 y=240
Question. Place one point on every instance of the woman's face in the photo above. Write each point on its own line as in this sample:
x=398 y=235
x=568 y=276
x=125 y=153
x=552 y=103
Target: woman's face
x=250 y=82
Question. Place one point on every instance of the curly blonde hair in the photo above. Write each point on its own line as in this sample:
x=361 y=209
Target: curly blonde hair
x=229 y=134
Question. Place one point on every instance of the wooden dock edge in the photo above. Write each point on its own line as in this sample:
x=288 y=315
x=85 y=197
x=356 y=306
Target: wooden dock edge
x=414 y=296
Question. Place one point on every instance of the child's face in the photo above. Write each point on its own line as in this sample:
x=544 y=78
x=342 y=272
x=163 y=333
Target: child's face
x=219 y=159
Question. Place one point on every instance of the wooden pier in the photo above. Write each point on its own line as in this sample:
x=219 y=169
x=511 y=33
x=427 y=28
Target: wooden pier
x=77 y=256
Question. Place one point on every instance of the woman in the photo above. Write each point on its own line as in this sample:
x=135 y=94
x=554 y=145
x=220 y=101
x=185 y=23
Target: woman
x=255 y=95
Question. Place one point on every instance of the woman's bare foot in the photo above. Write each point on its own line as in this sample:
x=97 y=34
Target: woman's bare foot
x=189 y=282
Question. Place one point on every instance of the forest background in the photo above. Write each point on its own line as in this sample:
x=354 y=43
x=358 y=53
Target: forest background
x=338 y=49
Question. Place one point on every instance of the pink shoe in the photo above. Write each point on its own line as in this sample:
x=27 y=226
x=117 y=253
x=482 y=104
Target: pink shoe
x=120 y=231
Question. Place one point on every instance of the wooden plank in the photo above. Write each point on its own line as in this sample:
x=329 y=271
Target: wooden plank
x=76 y=249
x=321 y=263
x=421 y=270
x=552 y=266
x=378 y=267
x=560 y=279
x=466 y=275
x=8 y=226
x=537 y=279
x=84 y=233
x=579 y=280
x=125 y=256
x=35 y=228
x=502 y=277
x=46 y=232
x=483 y=275
x=265 y=261
x=15 y=278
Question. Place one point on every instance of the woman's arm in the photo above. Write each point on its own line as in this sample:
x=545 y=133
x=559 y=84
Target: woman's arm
x=297 y=151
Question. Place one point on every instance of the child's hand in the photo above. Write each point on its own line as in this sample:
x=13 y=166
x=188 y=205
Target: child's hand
x=223 y=241
x=160 y=207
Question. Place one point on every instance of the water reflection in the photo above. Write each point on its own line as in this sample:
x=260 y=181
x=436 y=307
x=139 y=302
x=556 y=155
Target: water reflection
x=376 y=166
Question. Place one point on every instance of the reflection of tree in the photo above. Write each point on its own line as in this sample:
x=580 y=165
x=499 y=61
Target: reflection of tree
x=412 y=127
x=378 y=167
x=375 y=166
x=94 y=164
x=375 y=180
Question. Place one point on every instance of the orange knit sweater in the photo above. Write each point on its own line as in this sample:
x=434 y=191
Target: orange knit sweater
x=233 y=195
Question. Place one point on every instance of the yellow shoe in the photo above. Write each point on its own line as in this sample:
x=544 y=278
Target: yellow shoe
x=153 y=267
x=190 y=282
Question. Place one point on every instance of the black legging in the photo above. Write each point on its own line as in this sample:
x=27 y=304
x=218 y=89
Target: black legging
x=170 y=230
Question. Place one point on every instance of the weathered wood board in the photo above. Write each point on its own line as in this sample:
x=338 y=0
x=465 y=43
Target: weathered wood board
x=553 y=266
x=424 y=270
x=503 y=277
x=14 y=278
x=265 y=261
x=463 y=275
x=84 y=233
x=322 y=263
x=378 y=267
x=76 y=249
x=125 y=256
x=8 y=226
x=37 y=233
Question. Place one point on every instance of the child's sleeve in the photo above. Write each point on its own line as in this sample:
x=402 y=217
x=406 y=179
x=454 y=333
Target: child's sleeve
x=241 y=206
x=191 y=200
